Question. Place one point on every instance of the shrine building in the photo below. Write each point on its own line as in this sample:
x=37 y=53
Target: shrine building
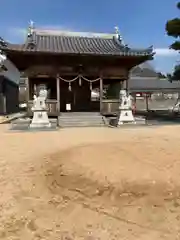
x=9 y=85
x=73 y=66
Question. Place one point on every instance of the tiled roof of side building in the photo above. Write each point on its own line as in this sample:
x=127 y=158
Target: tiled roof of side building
x=152 y=84
x=144 y=70
x=77 y=43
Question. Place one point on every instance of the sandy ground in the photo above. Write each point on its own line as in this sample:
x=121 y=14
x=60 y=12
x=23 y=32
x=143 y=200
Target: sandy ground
x=91 y=183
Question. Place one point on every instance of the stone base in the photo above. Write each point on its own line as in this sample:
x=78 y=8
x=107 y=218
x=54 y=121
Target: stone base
x=126 y=116
x=20 y=128
x=40 y=125
x=24 y=126
x=40 y=120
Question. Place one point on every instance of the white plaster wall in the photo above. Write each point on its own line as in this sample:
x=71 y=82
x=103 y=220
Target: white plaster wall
x=13 y=73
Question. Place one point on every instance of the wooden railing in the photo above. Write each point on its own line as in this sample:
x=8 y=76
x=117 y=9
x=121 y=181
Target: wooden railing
x=110 y=106
x=51 y=105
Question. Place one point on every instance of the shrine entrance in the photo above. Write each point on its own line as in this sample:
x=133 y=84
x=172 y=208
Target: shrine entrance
x=75 y=96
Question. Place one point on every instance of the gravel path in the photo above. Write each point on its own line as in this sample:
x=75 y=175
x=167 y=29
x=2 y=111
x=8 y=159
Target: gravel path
x=93 y=183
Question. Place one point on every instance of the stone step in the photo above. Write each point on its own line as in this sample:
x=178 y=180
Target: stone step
x=80 y=114
x=81 y=117
x=81 y=124
x=80 y=120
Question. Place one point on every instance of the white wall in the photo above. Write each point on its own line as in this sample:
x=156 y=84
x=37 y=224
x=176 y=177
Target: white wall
x=13 y=73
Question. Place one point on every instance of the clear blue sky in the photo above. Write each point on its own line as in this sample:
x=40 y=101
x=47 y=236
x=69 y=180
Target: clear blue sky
x=141 y=22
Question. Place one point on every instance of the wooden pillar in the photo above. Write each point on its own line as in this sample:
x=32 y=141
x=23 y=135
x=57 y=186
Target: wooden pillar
x=27 y=92
x=58 y=93
x=124 y=85
x=4 y=105
x=127 y=85
x=147 y=103
x=101 y=93
x=127 y=81
x=27 y=89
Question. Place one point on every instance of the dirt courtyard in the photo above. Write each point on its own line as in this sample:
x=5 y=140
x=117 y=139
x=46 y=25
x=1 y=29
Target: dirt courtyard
x=90 y=183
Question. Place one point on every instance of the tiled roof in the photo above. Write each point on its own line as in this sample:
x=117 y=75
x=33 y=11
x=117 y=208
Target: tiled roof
x=152 y=84
x=145 y=71
x=52 y=42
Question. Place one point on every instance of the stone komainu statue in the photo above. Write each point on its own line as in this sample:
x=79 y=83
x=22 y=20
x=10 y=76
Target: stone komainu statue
x=39 y=103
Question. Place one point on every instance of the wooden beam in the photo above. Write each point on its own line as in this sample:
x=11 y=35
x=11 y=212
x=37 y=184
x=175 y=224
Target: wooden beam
x=58 y=93
x=42 y=76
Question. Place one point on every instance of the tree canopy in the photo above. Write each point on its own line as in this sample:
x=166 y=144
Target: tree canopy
x=173 y=30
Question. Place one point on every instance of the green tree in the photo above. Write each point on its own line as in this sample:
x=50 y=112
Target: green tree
x=173 y=30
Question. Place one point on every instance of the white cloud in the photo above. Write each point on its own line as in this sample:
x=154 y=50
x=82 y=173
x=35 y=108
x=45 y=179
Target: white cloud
x=18 y=34
x=165 y=52
x=16 y=31
x=53 y=27
x=14 y=34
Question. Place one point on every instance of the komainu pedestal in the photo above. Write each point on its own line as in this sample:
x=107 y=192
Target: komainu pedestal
x=40 y=116
x=125 y=109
